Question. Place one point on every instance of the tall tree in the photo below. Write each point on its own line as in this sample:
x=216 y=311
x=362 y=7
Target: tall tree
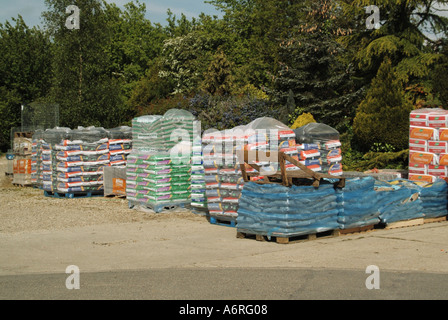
x=25 y=68
x=253 y=28
x=82 y=83
x=218 y=78
x=311 y=68
x=406 y=36
x=383 y=116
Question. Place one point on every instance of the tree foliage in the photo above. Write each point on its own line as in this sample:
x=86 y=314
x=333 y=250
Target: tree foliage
x=25 y=69
x=383 y=116
x=280 y=58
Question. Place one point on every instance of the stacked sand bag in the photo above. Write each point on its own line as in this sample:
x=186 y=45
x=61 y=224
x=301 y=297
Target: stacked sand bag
x=428 y=145
x=398 y=200
x=80 y=159
x=358 y=203
x=221 y=152
x=36 y=159
x=434 y=199
x=275 y=210
x=319 y=145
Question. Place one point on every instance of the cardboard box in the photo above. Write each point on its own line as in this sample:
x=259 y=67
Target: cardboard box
x=114 y=181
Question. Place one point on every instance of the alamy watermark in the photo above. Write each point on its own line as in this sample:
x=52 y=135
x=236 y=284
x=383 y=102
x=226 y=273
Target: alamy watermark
x=373 y=21
x=73 y=21
x=373 y=281
x=73 y=280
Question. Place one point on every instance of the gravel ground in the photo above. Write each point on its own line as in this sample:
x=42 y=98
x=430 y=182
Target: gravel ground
x=25 y=209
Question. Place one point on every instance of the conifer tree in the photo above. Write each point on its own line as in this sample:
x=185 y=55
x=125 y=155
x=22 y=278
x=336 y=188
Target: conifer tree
x=383 y=116
x=218 y=78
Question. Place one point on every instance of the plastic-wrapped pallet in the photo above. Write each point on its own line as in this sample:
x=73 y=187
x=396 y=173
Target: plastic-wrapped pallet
x=160 y=160
x=36 y=159
x=198 y=187
x=80 y=160
x=51 y=137
x=270 y=135
x=326 y=139
x=358 y=203
x=428 y=145
x=222 y=174
x=120 y=145
x=158 y=179
x=161 y=133
x=398 y=200
x=275 y=210
x=434 y=199
x=22 y=170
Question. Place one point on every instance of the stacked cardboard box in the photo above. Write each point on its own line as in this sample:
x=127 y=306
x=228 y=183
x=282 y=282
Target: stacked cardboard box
x=428 y=145
x=23 y=149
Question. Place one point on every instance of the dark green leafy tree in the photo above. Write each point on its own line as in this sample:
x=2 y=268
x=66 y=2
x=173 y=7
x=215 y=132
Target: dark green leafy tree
x=134 y=42
x=311 y=67
x=439 y=77
x=82 y=82
x=382 y=118
x=25 y=69
x=406 y=36
x=218 y=78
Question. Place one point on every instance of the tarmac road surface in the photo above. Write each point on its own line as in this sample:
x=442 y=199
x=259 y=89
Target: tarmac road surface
x=167 y=261
x=239 y=284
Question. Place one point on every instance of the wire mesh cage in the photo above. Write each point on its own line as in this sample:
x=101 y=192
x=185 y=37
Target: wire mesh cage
x=35 y=116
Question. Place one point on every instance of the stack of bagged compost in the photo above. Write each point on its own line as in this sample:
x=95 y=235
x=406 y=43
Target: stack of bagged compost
x=78 y=161
x=318 y=141
x=158 y=170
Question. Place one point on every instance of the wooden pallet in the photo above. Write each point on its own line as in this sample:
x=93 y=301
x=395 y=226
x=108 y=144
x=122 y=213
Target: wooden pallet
x=247 y=234
x=438 y=219
x=223 y=221
x=61 y=195
x=157 y=208
x=355 y=230
x=22 y=185
x=284 y=239
x=283 y=176
x=112 y=195
x=405 y=223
